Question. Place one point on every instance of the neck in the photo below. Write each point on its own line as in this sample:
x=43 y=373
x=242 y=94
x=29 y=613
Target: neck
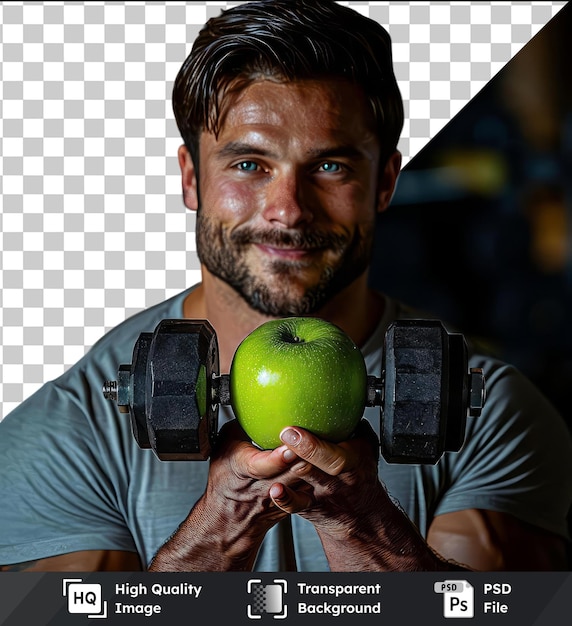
x=356 y=310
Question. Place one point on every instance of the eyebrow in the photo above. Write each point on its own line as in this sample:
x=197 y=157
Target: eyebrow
x=239 y=148
x=348 y=151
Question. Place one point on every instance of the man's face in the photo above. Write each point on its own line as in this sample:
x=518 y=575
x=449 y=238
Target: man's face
x=288 y=194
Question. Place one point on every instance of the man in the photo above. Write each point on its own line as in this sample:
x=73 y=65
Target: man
x=290 y=116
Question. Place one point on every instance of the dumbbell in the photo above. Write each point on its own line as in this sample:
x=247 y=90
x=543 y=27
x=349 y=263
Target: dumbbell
x=172 y=391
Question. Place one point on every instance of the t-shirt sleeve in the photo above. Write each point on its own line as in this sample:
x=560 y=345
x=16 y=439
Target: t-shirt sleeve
x=57 y=496
x=517 y=456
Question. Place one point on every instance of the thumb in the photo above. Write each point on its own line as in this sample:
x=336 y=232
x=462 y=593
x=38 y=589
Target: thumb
x=288 y=500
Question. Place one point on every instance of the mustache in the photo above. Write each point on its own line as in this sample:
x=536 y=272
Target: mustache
x=300 y=240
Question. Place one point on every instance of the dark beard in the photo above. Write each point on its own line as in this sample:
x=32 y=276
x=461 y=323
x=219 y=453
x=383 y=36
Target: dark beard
x=221 y=255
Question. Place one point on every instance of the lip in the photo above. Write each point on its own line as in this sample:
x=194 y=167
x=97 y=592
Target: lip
x=293 y=254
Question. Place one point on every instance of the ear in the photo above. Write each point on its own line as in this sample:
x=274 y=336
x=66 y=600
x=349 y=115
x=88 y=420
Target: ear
x=188 y=179
x=388 y=181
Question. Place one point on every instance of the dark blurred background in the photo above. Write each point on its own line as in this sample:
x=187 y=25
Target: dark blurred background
x=479 y=229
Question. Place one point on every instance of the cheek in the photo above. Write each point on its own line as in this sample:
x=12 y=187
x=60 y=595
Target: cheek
x=353 y=206
x=226 y=198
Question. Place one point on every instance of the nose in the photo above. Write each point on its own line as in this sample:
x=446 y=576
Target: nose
x=286 y=202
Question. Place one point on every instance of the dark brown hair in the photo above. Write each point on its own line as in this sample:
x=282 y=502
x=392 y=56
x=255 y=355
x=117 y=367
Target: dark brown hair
x=286 y=40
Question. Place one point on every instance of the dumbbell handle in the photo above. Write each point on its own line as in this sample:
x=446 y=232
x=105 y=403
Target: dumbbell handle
x=374 y=391
x=221 y=389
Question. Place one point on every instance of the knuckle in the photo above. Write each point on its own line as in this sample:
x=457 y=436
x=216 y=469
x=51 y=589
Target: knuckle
x=302 y=468
x=336 y=466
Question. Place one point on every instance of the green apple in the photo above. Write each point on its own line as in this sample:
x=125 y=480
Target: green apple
x=297 y=371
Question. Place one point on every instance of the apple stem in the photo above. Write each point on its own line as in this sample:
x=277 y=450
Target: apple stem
x=288 y=337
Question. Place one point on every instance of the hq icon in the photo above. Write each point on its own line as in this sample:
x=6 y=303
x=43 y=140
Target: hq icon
x=84 y=598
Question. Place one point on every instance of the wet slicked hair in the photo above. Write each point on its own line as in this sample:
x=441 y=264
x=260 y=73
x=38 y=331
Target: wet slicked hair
x=286 y=40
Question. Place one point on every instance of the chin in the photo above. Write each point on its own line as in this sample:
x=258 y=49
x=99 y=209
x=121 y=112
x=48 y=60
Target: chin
x=286 y=301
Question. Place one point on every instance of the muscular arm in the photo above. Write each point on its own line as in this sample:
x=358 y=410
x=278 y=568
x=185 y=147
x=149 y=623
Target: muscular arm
x=473 y=539
x=361 y=529
x=492 y=541
x=84 y=561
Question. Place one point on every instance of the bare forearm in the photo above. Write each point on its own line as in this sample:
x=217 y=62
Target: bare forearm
x=224 y=530
x=208 y=543
x=384 y=541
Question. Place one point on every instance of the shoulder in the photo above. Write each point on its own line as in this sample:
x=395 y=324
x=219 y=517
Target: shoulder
x=509 y=392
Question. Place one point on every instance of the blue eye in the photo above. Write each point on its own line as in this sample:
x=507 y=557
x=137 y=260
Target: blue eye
x=328 y=166
x=247 y=166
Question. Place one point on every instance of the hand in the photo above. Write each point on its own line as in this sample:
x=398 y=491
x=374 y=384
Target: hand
x=225 y=528
x=240 y=478
x=360 y=527
x=340 y=481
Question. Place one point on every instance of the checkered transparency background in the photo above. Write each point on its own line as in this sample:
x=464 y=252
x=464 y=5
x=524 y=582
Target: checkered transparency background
x=93 y=226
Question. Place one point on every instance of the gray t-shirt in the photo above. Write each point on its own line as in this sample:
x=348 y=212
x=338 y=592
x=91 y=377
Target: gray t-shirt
x=73 y=478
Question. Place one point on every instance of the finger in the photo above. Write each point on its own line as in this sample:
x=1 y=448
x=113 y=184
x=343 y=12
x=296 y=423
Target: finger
x=248 y=460
x=326 y=456
x=265 y=463
x=289 y=500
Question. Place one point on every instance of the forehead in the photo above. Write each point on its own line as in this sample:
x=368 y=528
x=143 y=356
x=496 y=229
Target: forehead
x=309 y=107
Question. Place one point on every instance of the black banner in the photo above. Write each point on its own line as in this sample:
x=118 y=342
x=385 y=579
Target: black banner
x=233 y=599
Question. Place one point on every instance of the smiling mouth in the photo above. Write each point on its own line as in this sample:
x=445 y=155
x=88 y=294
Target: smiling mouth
x=288 y=253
